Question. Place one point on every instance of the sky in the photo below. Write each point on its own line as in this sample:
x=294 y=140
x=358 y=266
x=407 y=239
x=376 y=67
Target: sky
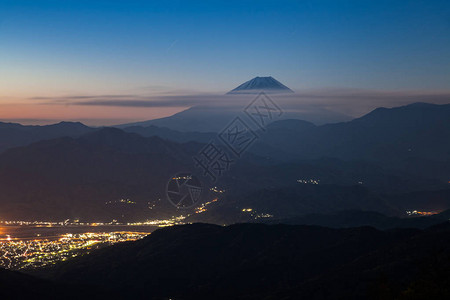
x=55 y=53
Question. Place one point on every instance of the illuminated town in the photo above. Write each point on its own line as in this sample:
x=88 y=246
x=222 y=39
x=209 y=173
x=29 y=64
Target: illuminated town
x=39 y=248
x=71 y=238
x=29 y=254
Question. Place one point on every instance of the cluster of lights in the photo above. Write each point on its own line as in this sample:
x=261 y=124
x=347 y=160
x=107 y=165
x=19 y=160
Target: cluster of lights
x=182 y=178
x=256 y=215
x=125 y=201
x=308 y=181
x=203 y=208
x=151 y=205
x=420 y=213
x=175 y=220
x=217 y=190
x=62 y=223
x=30 y=254
x=33 y=223
x=263 y=216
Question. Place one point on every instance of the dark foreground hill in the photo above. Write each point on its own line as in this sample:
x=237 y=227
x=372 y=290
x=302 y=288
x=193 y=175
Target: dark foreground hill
x=256 y=261
x=16 y=285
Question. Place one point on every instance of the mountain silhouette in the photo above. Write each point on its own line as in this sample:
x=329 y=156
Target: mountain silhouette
x=75 y=177
x=214 y=116
x=14 y=135
x=256 y=261
x=388 y=151
x=412 y=138
x=396 y=134
x=261 y=84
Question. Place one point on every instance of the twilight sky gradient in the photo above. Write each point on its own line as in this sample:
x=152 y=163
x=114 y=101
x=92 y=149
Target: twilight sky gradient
x=54 y=53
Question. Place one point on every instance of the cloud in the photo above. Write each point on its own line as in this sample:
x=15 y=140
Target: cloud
x=68 y=98
x=351 y=102
x=130 y=100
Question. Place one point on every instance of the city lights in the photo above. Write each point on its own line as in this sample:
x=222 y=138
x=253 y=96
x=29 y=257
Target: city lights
x=30 y=254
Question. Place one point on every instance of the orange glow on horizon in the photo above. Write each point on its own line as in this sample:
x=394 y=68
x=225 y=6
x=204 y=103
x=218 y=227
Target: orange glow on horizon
x=90 y=115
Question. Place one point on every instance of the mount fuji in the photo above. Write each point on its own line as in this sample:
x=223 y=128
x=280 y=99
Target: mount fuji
x=214 y=115
x=261 y=84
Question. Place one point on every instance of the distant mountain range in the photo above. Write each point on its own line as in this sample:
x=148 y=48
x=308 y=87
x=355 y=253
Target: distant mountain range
x=76 y=177
x=412 y=138
x=214 y=117
x=412 y=131
x=370 y=163
x=13 y=134
x=86 y=177
x=170 y=134
x=195 y=119
x=403 y=133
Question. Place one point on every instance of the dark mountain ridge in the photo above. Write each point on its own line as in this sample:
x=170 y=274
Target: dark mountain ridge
x=14 y=135
x=413 y=139
x=67 y=174
x=76 y=177
x=255 y=261
x=405 y=135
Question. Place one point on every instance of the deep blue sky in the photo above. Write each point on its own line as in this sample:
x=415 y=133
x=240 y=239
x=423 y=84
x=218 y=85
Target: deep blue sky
x=90 y=47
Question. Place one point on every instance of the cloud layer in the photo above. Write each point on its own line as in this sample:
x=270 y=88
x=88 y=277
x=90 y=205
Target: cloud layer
x=351 y=102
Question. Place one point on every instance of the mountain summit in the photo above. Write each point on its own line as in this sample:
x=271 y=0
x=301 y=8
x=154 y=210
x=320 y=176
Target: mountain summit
x=258 y=84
